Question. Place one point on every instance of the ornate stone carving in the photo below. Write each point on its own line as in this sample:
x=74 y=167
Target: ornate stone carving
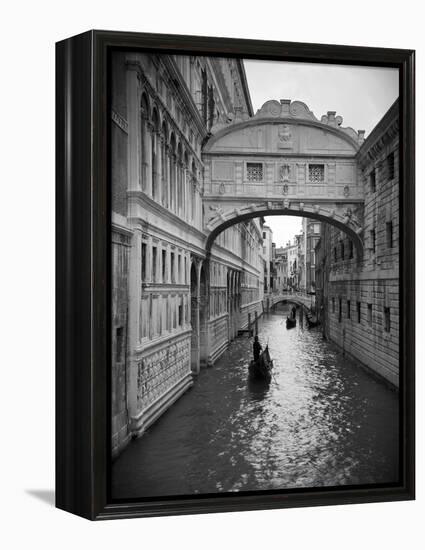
x=285 y=189
x=119 y=121
x=159 y=371
x=284 y=172
x=285 y=137
x=222 y=189
x=346 y=191
x=216 y=211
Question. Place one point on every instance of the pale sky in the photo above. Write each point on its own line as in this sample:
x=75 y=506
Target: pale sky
x=361 y=95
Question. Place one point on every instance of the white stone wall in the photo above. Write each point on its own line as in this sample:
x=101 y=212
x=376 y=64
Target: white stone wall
x=162 y=109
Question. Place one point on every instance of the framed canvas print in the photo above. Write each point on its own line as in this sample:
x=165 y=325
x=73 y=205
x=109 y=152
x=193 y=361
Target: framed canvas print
x=235 y=274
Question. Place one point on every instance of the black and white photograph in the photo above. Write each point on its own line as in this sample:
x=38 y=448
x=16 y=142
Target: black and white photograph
x=254 y=275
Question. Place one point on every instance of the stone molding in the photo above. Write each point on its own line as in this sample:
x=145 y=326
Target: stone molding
x=119 y=121
x=287 y=112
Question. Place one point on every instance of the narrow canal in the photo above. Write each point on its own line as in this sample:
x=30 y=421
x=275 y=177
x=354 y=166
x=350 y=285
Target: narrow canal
x=322 y=421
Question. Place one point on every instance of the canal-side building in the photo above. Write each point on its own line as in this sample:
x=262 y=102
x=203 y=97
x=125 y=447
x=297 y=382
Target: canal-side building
x=268 y=259
x=311 y=230
x=173 y=309
x=358 y=297
x=281 y=266
x=291 y=251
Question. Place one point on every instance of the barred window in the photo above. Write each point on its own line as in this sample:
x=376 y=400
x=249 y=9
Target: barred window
x=387 y=319
x=254 y=171
x=372 y=180
x=369 y=314
x=316 y=173
x=373 y=240
x=390 y=164
x=389 y=231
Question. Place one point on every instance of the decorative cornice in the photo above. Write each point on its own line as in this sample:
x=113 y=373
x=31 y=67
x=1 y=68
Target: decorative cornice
x=289 y=111
x=374 y=151
x=384 y=132
x=183 y=92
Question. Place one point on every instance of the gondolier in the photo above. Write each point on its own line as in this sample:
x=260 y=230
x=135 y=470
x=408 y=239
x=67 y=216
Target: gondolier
x=256 y=348
x=261 y=366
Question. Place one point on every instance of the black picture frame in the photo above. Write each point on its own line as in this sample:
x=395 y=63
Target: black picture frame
x=82 y=275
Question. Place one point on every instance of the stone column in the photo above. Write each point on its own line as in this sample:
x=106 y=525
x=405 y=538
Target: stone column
x=134 y=304
x=195 y=320
x=184 y=193
x=149 y=260
x=180 y=188
x=147 y=156
x=158 y=167
x=173 y=181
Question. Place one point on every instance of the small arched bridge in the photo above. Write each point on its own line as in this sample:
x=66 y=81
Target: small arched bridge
x=284 y=161
x=298 y=298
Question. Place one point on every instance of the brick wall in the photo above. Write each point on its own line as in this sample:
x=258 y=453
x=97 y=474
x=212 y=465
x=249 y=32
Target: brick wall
x=359 y=296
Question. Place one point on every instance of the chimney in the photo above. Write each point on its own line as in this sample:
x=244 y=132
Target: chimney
x=331 y=118
x=285 y=106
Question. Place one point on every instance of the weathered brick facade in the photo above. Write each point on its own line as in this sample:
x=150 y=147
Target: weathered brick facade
x=359 y=296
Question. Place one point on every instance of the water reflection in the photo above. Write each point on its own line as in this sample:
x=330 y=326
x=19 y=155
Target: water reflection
x=321 y=421
x=258 y=389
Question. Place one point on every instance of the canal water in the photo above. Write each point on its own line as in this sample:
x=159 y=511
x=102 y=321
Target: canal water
x=322 y=421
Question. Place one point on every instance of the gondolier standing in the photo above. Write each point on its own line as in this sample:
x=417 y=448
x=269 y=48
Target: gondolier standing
x=256 y=348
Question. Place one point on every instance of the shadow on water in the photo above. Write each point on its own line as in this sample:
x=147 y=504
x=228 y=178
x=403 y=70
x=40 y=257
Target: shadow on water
x=258 y=389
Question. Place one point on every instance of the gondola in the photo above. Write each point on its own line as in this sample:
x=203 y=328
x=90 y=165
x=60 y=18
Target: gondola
x=291 y=322
x=262 y=369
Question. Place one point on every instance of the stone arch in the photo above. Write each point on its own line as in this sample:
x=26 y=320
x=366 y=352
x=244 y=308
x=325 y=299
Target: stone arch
x=345 y=220
x=155 y=119
x=145 y=104
x=164 y=129
x=173 y=142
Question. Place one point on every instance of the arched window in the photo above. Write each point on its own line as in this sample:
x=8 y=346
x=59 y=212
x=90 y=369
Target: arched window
x=179 y=178
x=172 y=172
x=164 y=166
x=155 y=158
x=193 y=191
x=143 y=152
x=186 y=183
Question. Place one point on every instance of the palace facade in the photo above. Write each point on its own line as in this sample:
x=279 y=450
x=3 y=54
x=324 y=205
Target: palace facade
x=173 y=309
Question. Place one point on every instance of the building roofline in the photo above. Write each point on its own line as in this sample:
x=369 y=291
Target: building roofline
x=245 y=86
x=381 y=128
